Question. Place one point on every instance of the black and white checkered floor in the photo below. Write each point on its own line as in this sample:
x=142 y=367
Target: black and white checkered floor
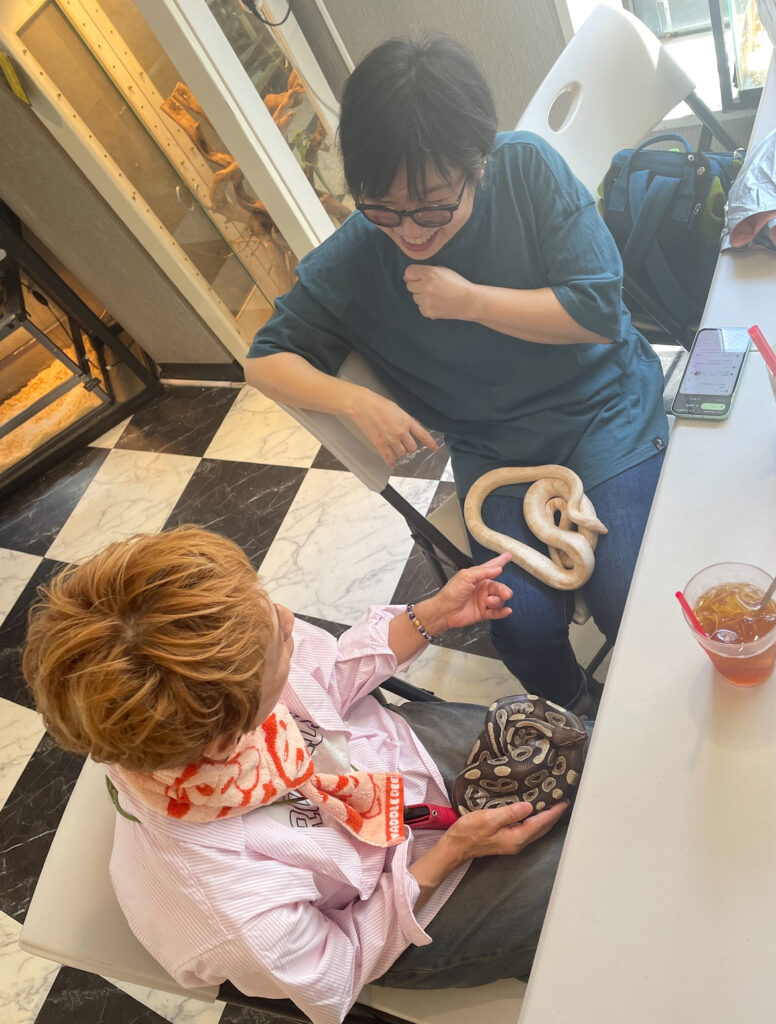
x=228 y=459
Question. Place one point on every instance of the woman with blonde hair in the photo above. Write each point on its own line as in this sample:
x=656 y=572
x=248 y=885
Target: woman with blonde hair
x=259 y=783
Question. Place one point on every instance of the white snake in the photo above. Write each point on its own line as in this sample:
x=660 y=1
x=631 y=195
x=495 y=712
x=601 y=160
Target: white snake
x=556 y=489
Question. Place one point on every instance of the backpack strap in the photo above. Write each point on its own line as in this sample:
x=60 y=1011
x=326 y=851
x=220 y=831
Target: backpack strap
x=649 y=202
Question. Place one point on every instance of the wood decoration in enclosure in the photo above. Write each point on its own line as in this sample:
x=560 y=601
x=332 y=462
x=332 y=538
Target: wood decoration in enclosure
x=228 y=194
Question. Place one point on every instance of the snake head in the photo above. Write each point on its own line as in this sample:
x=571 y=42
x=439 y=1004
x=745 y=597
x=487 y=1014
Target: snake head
x=587 y=521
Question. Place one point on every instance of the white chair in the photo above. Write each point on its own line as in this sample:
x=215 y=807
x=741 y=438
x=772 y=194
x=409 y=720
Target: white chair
x=75 y=919
x=611 y=85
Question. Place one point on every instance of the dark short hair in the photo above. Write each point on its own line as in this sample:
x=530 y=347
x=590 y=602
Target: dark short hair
x=410 y=102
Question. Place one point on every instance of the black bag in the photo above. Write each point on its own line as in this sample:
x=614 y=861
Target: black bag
x=666 y=211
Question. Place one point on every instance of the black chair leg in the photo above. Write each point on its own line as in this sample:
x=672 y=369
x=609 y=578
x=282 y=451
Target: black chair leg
x=598 y=658
x=707 y=118
x=283 y=1011
x=410 y=692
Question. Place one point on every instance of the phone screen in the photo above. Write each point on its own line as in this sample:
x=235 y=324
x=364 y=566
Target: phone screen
x=712 y=373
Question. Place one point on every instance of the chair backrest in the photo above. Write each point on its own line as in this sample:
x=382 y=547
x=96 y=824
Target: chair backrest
x=342 y=438
x=615 y=82
x=74 y=917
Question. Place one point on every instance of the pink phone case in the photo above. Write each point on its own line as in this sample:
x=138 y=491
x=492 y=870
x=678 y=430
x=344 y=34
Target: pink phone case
x=436 y=817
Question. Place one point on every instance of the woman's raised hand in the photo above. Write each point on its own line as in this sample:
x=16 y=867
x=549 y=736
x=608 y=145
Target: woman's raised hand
x=472 y=595
x=440 y=293
x=392 y=431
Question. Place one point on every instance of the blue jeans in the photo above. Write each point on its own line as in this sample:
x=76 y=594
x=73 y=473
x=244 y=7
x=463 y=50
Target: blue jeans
x=534 y=641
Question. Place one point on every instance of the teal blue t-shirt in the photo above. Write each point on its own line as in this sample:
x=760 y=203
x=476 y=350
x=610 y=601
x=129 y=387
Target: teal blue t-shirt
x=500 y=401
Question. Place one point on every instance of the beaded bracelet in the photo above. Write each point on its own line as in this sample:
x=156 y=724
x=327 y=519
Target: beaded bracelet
x=418 y=624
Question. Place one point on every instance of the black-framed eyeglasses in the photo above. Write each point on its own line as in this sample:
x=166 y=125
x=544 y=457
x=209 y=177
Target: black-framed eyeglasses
x=424 y=216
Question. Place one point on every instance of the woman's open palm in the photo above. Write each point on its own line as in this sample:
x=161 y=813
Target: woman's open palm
x=475 y=594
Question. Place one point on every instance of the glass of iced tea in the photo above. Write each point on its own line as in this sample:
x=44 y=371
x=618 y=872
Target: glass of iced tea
x=741 y=641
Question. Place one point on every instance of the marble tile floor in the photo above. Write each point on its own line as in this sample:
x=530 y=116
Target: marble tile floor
x=230 y=460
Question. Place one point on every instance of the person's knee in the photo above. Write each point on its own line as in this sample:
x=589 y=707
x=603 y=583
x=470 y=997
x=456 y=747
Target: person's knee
x=533 y=626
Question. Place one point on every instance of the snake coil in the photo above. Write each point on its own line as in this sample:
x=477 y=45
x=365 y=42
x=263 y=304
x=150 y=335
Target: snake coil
x=555 y=489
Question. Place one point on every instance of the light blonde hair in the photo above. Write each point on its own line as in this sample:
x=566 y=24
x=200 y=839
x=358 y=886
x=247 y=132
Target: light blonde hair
x=150 y=650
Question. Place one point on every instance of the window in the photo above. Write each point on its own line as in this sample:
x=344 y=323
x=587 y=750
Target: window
x=720 y=43
x=670 y=17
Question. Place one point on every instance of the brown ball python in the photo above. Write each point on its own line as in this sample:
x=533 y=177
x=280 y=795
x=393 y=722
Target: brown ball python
x=530 y=749
x=556 y=489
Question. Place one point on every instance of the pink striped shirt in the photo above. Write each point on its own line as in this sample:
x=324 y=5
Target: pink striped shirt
x=274 y=900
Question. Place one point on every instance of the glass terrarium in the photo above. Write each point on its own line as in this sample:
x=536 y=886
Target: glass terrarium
x=108 y=65
x=67 y=369
x=44 y=364
x=752 y=48
x=300 y=115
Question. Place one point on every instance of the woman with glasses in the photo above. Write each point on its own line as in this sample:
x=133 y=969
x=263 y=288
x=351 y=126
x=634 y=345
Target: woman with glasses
x=478 y=281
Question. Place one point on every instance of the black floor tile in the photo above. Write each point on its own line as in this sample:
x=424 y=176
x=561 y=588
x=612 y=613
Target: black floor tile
x=182 y=422
x=244 y=501
x=80 y=998
x=235 y=1014
x=13 y=632
x=32 y=518
x=325 y=460
x=29 y=820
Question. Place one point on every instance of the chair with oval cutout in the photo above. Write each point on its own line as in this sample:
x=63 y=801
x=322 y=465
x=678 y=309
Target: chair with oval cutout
x=611 y=85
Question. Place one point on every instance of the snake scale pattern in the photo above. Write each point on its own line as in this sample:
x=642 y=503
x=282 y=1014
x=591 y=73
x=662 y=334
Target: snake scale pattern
x=530 y=749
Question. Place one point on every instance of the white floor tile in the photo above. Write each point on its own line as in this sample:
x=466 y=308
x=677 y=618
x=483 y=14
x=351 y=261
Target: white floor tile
x=25 y=980
x=110 y=437
x=16 y=569
x=132 y=492
x=341 y=546
x=454 y=675
x=257 y=430
x=20 y=732
x=176 y=1009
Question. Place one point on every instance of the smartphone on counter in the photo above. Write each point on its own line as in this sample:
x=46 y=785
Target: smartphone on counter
x=712 y=373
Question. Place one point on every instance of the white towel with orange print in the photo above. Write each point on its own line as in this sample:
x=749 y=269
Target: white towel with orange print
x=269 y=763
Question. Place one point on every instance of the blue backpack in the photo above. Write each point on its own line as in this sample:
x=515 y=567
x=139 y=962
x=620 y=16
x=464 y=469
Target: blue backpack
x=666 y=211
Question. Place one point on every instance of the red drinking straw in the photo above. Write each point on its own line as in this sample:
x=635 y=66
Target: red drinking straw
x=690 y=614
x=768 y=354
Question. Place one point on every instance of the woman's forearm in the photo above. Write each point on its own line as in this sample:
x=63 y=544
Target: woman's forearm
x=433 y=867
x=531 y=314
x=290 y=378
x=404 y=639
